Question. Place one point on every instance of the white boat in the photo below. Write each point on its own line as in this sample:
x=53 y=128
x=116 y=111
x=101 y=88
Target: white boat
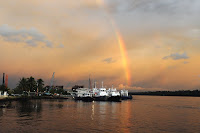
x=114 y=95
x=84 y=94
x=100 y=94
x=125 y=95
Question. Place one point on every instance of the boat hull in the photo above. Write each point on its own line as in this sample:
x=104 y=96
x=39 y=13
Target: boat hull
x=115 y=98
x=77 y=98
x=101 y=98
x=126 y=97
x=87 y=99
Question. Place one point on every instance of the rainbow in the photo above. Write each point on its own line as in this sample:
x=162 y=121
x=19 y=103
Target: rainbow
x=121 y=43
x=124 y=56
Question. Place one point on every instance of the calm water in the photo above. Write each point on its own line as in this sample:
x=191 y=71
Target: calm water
x=142 y=114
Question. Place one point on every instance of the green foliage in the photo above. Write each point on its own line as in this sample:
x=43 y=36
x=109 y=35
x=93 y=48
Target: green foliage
x=17 y=90
x=40 y=83
x=32 y=84
x=4 y=88
x=57 y=90
x=23 y=85
x=66 y=93
x=29 y=85
x=60 y=91
x=52 y=91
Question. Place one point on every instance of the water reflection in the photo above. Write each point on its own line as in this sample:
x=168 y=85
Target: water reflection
x=1 y=112
x=145 y=114
x=29 y=107
x=55 y=103
x=92 y=115
x=125 y=115
x=3 y=106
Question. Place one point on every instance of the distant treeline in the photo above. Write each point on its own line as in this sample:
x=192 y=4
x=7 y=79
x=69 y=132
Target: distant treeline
x=195 y=93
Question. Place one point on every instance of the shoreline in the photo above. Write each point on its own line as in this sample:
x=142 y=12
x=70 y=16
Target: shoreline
x=17 y=98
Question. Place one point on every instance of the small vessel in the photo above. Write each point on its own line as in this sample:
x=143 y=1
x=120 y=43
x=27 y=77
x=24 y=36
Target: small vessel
x=87 y=97
x=114 y=95
x=100 y=94
x=125 y=95
x=83 y=94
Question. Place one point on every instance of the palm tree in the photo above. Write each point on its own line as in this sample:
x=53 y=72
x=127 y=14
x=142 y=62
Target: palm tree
x=32 y=84
x=40 y=84
x=23 y=85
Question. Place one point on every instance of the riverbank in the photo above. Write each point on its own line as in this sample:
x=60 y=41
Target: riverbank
x=16 y=98
x=189 y=93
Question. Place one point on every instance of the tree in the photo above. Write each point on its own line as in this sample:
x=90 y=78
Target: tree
x=52 y=91
x=23 y=84
x=28 y=85
x=17 y=90
x=60 y=90
x=40 y=86
x=32 y=84
x=3 y=88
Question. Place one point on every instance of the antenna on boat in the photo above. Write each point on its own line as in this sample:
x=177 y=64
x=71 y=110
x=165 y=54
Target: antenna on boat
x=102 y=84
x=112 y=86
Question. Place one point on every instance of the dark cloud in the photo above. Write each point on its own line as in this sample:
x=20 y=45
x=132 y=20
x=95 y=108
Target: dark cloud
x=32 y=37
x=162 y=80
x=177 y=56
x=156 y=6
x=109 y=60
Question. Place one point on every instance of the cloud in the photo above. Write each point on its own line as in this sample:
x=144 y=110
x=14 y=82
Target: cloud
x=170 y=6
x=109 y=60
x=185 y=62
x=61 y=46
x=177 y=56
x=194 y=33
x=32 y=37
x=92 y=4
x=137 y=89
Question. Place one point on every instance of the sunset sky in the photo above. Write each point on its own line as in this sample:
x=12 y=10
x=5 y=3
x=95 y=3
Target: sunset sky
x=142 y=45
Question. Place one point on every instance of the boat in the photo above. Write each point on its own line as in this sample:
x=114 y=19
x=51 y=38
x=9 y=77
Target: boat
x=100 y=94
x=114 y=95
x=83 y=94
x=87 y=97
x=125 y=95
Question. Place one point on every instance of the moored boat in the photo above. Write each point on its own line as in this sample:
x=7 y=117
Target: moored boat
x=114 y=95
x=125 y=95
x=87 y=97
x=83 y=94
x=100 y=94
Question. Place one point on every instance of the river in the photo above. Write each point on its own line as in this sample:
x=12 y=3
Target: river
x=142 y=114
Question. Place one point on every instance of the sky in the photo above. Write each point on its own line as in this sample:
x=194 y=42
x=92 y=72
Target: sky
x=140 y=45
